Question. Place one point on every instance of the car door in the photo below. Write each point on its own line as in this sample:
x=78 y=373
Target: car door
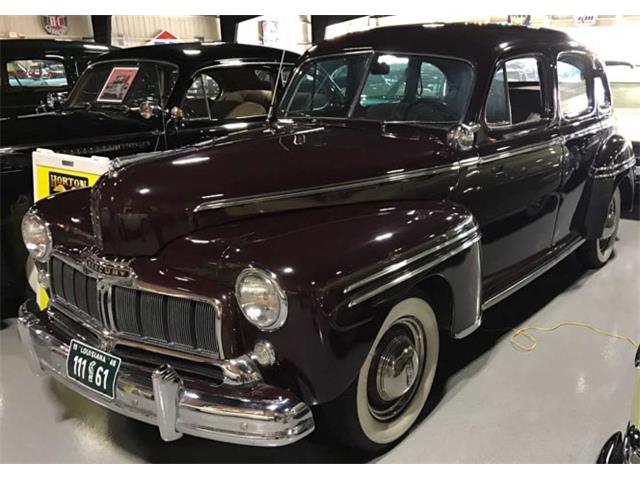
x=513 y=188
x=220 y=100
x=581 y=130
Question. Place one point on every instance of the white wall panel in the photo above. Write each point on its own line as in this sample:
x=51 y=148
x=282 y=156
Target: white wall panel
x=131 y=30
x=30 y=26
x=292 y=32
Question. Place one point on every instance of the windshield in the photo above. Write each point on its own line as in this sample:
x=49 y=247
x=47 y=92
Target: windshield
x=380 y=87
x=124 y=84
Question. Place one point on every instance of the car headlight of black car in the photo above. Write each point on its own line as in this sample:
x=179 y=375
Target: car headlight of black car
x=261 y=299
x=36 y=235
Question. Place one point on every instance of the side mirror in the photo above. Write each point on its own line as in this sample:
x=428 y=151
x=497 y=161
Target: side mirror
x=176 y=113
x=462 y=137
x=149 y=109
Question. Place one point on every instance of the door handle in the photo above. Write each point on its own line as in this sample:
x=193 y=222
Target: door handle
x=497 y=168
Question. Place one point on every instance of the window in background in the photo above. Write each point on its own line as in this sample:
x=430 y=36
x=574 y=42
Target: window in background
x=36 y=73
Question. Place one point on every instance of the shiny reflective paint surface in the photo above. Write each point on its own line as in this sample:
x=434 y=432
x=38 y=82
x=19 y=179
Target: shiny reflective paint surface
x=325 y=204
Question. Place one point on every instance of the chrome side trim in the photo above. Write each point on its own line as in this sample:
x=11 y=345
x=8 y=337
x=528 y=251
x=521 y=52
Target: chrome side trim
x=533 y=275
x=613 y=170
x=587 y=130
x=335 y=187
x=447 y=239
x=519 y=151
x=469 y=162
x=412 y=273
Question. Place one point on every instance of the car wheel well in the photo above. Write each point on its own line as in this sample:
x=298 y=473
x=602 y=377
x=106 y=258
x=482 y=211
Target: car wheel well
x=437 y=291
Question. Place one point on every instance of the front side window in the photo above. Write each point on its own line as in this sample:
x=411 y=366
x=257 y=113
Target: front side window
x=36 y=74
x=381 y=87
x=124 y=83
x=516 y=94
x=573 y=85
x=231 y=92
x=325 y=88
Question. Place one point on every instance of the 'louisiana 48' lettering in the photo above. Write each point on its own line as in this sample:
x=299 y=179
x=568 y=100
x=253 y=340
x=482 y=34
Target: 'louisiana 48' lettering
x=92 y=368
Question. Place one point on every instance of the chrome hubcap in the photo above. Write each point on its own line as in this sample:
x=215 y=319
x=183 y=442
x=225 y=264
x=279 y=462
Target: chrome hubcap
x=607 y=239
x=396 y=369
x=610 y=222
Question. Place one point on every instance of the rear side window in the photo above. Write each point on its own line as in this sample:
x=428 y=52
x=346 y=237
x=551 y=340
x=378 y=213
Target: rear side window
x=516 y=94
x=574 y=89
x=228 y=93
x=36 y=74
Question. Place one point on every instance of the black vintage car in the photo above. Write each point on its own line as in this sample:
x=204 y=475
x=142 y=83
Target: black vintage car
x=130 y=101
x=302 y=274
x=625 y=447
x=35 y=74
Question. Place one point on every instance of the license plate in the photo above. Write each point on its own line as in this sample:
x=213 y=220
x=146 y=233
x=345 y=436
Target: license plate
x=93 y=368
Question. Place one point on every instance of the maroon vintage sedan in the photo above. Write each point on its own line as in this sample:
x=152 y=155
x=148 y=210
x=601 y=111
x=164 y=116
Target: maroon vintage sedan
x=411 y=178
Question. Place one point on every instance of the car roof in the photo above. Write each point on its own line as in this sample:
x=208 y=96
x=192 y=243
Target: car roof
x=475 y=42
x=194 y=55
x=23 y=46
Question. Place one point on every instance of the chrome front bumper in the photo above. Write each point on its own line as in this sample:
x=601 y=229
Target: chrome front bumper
x=622 y=448
x=238 y=409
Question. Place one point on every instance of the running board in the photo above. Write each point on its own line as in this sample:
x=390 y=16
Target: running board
x=511 y=289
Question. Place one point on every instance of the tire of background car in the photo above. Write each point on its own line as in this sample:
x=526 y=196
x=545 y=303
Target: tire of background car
x=596 y=253
x=394 y=382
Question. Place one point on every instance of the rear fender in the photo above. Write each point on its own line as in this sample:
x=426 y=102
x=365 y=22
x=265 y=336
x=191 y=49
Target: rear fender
x=612 y=166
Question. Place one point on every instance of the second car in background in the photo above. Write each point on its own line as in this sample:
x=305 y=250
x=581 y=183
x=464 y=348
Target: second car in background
x=131 y=101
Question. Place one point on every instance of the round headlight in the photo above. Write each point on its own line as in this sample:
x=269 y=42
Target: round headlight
x=261 y=299
x=36 y=236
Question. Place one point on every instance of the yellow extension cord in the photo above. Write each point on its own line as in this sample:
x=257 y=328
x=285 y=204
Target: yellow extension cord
x=533 y=343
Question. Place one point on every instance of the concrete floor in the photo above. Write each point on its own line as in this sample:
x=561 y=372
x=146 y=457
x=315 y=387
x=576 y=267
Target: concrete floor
x=491 y=403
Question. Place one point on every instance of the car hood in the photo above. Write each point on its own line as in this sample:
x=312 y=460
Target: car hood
x=153 y=199
x=67 y=127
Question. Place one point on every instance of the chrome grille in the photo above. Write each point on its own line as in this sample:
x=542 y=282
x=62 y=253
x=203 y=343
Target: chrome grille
x=75 y=288
x=165 y=319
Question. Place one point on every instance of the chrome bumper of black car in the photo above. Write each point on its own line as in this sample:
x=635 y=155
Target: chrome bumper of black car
x=622 y=449
x=238 y=409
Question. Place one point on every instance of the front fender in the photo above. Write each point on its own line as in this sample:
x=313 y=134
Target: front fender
x=613 y=162
x=343 y=268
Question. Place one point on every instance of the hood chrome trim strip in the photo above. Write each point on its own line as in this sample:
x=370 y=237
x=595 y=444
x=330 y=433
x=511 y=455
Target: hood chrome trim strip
x=334 y=187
